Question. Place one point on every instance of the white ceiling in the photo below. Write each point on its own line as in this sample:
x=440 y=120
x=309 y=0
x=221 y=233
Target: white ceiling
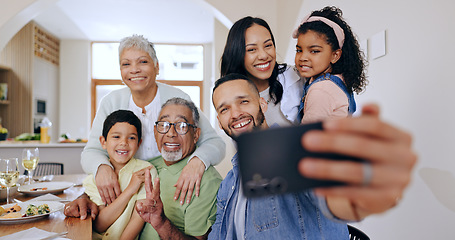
x=174 y=21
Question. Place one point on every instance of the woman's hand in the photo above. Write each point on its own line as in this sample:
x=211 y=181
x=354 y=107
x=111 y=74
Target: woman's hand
x=189 y=180
x=107 y=184
x=384 y=147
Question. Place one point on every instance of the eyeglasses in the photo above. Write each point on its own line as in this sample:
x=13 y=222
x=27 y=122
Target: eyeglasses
x=180 y=127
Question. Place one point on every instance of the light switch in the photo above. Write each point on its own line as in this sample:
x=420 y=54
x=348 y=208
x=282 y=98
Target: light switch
x=377 y=45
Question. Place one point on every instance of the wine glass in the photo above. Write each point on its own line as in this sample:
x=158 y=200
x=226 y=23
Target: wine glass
x=30 y=159
x=9 y=174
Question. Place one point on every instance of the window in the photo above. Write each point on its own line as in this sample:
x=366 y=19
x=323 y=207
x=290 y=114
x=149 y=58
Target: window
x=180 y=65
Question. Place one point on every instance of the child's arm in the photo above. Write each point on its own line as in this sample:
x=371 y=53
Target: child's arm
x=109 y=214
x=134 y=226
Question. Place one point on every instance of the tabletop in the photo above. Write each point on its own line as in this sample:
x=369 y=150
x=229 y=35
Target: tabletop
x=56 y=222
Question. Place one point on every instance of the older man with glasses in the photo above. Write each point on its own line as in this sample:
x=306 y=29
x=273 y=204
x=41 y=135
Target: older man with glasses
x=176 y=134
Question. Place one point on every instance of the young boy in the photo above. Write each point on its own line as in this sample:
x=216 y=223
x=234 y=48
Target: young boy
x=121 y=138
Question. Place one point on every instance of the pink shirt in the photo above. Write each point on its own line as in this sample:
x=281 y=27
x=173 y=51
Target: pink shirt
x=325 y=100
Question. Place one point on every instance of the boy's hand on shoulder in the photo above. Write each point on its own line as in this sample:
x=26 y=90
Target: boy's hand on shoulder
x=138 y=178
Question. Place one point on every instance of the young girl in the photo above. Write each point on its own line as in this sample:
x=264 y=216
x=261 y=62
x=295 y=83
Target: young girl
x=328 y=56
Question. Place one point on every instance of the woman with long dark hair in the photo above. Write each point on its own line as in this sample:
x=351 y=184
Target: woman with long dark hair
x=250 y=50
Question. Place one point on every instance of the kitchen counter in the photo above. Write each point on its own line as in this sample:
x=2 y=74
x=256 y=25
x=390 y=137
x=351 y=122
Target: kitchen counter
x=67 y=153
x=30 y=144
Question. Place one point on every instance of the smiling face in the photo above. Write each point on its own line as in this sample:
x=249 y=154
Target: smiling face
x=138 y=70
x=121 y=144
x=239 y=107
x=314 y=55
x=173 y=146
x=260 y=54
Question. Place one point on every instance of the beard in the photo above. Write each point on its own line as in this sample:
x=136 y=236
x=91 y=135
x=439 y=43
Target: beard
x=172 y=156
x=257 y=123
x=259 y=120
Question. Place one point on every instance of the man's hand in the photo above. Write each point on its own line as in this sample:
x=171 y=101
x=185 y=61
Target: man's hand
x=151 y=208
x=386 y=148
x=189 y=180
x=81 y=207
x=107 y=184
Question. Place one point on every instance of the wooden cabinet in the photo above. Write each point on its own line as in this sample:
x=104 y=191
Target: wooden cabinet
x=29 y=45
x=5 y=77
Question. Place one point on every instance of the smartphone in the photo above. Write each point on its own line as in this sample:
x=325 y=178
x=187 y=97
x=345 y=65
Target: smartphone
x=268 y=161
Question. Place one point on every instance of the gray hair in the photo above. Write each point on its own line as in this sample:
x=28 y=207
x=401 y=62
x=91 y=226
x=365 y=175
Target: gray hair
x=139 y=42
x=186 y=103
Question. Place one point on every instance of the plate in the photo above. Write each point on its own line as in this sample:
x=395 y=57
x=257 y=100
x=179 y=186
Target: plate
x=54 y=207
x=52 y=187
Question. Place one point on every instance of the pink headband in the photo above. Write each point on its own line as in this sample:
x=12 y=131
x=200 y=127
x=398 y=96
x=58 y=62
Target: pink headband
x=336 y=28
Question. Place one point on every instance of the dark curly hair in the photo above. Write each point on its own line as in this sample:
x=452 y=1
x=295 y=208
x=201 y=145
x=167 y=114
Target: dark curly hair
x=352 y=63
x=233 y=59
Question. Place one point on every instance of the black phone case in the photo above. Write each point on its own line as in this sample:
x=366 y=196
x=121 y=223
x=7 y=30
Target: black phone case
x=268 y=161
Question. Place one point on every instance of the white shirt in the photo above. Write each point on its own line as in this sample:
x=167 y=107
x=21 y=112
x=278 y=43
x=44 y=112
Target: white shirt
x=239 y=214
x=148 y=148
x=274 y=114
x=292 y=94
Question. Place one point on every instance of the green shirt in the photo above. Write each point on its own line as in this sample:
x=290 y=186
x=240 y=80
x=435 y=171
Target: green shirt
x=195 y=218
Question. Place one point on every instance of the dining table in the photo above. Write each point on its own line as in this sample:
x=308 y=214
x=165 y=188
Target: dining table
x=56 y=222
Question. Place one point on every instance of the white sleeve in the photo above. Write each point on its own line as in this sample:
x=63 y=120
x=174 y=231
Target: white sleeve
x=210 y=146
x=93 y=154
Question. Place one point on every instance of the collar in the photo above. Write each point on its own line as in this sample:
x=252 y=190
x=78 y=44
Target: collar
x=275 y=125
x=235 y=160
x=175 y=168
x=129 y=166
x=149 y=108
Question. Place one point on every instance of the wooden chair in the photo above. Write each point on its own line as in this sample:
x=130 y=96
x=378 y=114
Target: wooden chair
x=356 y=234
x=47 y=168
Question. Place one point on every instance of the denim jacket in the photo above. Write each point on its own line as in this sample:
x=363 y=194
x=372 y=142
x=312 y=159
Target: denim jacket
x=291 y=216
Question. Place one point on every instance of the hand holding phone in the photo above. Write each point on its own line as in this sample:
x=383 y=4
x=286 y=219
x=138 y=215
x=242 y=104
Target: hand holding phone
x=268 y=161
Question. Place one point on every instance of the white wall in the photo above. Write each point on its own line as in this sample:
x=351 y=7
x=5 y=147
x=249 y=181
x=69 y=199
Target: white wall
x=13 y=8
x=46 y=87
x=75 y=87
x=413 y=86
x=16 y=14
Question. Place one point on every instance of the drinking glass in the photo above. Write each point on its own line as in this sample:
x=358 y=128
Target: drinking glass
x=30 y=159
x=9 y=174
